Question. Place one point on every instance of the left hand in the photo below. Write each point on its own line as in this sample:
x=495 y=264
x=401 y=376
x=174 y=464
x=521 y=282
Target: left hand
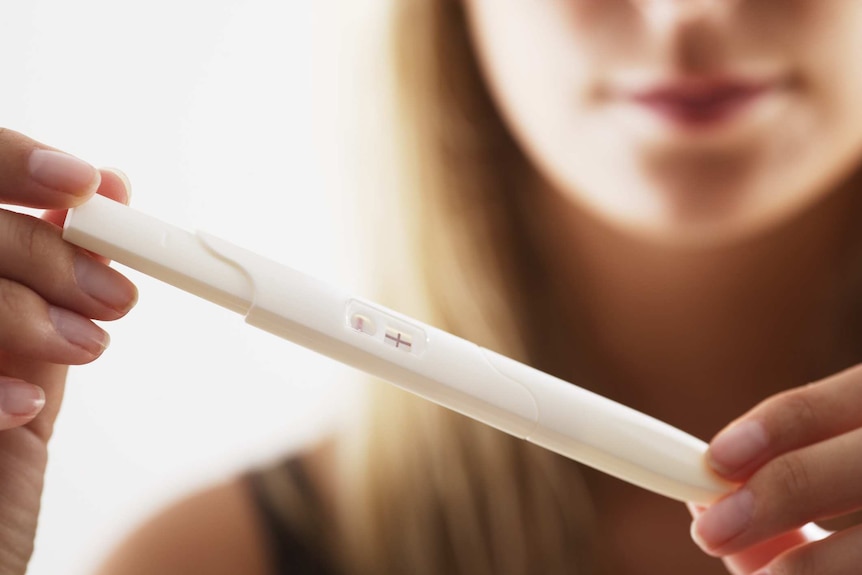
x=798 y=456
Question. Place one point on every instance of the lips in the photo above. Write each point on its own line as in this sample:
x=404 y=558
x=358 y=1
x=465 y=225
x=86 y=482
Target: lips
x=699 y=103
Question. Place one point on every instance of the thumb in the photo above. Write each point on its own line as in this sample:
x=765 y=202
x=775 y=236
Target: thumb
x=748 y=561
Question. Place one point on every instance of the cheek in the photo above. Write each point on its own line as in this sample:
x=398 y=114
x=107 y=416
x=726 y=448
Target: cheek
x=824 y=142
x=521 y=45
x=544 y=60
x=547 y=57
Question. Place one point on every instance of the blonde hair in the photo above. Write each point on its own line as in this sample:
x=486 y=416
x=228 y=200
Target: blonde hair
x=421 y=489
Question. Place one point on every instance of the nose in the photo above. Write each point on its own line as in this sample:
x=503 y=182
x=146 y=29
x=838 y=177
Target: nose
x=674 y=12
x=688 y=33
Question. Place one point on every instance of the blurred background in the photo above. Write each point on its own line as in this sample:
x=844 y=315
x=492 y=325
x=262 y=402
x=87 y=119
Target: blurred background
x=245 y=118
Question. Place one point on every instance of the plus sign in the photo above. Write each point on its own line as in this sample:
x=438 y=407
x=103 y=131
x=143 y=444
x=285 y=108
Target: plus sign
x=397 y=339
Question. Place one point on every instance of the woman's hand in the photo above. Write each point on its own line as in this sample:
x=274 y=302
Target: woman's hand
x=798 y=456
x=49 y=293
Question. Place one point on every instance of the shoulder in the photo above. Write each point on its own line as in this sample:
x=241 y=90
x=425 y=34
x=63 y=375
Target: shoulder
x=216 y=531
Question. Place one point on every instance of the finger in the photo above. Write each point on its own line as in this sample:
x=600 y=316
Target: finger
x=838 y=554
x=34 y=329
x=756 y=557
x=752 y=558
x=33 y=253
x=788 y=421
x=50 y=377
x=810 y=484
x=20 y=402
x=36 y=176
x=113 y=184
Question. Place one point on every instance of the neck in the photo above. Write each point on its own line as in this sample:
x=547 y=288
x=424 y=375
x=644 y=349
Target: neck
x=698 y=337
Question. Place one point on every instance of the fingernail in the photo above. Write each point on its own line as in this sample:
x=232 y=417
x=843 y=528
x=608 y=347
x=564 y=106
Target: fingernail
x=104 y=284
x=62 y=172
x=20 y=398
x=737 y=447
x=724 y=520
x=79 y=331
x=695 y=509
x=127 y=184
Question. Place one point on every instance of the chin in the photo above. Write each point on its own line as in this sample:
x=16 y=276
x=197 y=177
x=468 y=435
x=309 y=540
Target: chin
x=701 y=235
x=729 y=204
x=679 y=218
x=707 y=223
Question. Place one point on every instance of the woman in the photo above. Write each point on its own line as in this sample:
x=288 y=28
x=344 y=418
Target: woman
x=656 y=199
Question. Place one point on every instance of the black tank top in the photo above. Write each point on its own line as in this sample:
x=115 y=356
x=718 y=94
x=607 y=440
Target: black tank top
x=292 y=515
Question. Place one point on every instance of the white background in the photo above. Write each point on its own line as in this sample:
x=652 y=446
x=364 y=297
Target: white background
x=237 y=117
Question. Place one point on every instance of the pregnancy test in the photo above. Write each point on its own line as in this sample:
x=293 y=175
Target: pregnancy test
x=414 y=356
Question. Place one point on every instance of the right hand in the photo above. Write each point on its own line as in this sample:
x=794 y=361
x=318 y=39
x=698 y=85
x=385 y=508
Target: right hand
x=49 y=293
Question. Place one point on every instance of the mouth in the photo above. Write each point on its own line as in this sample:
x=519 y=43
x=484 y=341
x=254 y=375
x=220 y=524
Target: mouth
x=699 y=103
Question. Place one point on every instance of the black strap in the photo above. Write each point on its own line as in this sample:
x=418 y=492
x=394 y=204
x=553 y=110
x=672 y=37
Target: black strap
x=292 y=552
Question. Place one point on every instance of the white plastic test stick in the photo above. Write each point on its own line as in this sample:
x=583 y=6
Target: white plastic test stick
x=431 y=363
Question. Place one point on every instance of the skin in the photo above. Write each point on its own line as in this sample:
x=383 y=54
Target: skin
x=50 y=291
x=712 y=266
x=39 y=272
x=45 y=314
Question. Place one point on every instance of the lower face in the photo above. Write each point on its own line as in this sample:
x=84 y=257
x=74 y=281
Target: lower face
x=688 y=122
